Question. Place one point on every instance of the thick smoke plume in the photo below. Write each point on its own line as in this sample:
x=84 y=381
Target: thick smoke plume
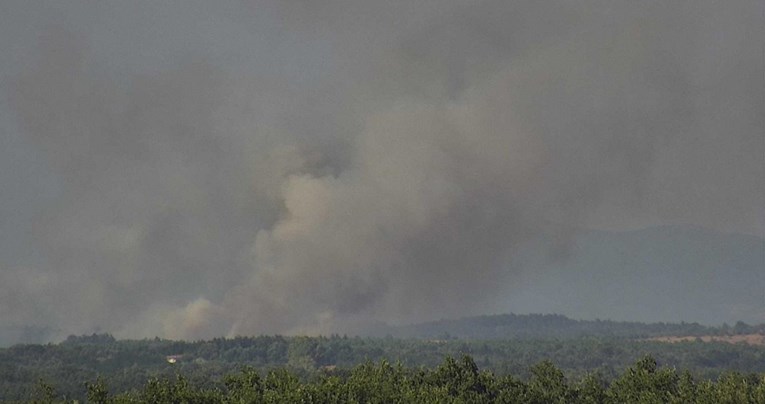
x=199 y=169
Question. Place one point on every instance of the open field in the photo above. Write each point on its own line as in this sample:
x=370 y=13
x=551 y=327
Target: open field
x=749 y=339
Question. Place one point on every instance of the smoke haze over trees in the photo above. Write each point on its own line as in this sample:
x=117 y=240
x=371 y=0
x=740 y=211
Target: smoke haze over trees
x=191 y=170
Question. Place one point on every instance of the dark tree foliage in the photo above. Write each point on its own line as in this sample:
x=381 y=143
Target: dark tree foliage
x=518 y=367
x=453 y=381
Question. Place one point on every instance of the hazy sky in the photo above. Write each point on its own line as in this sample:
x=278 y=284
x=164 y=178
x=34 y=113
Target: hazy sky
x=195 y=168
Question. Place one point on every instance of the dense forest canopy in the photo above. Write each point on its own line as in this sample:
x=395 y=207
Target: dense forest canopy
x=505 y=345
x=453 y=381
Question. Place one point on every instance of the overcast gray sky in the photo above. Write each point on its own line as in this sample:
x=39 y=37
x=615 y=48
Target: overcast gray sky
x=191 y=168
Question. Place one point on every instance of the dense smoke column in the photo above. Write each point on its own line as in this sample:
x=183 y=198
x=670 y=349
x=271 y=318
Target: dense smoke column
x=303 y=167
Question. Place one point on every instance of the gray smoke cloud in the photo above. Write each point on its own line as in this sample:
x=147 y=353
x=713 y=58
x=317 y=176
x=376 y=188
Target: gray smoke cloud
x=191 y=170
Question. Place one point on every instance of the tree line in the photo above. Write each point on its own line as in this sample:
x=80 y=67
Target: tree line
x=127 y=365
x=453 y=381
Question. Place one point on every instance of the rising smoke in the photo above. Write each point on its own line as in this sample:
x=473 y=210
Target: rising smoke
x=302 y=167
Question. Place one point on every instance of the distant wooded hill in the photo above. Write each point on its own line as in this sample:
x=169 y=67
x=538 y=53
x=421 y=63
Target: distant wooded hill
x=536 y=326
x=665 y=273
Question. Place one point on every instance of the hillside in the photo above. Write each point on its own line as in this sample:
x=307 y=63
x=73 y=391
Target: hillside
x=545 y=326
